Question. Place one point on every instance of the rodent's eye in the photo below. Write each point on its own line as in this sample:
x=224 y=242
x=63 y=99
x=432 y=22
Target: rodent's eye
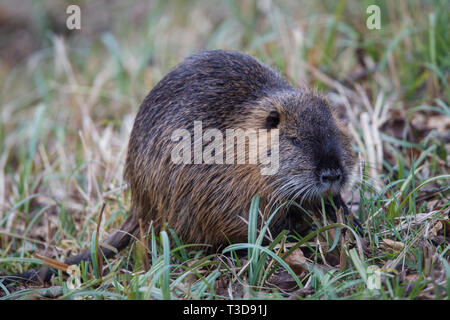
x=272 y=120
x=296 y=141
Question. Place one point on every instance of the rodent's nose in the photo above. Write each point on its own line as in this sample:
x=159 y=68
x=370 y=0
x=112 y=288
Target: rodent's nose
x=330 y=175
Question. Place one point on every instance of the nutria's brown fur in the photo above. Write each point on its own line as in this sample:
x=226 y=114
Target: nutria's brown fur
x=223 y=89
x=209 y=204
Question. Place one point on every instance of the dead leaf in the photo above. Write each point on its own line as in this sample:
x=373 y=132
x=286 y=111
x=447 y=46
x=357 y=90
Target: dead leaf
x=395 y=246
x=446 y=225
x=412 y=277
x=436 y=228
x=440 y=123
x=297 y=261
x=283 y=281
x=332 y=259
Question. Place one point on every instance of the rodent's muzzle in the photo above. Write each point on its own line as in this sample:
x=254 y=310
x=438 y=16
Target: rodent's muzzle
x=330 y=176
x=330 y=180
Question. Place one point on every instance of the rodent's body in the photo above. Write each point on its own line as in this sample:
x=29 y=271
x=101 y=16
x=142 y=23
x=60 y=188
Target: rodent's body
x=223 y=89
x=208 y=204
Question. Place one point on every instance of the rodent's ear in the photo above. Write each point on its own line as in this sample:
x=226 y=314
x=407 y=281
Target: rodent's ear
x=273 y=119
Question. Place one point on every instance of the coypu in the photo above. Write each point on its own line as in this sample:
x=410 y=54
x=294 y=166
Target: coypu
x=208 y=203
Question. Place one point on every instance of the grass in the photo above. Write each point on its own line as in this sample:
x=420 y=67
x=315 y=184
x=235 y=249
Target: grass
x=67 y=108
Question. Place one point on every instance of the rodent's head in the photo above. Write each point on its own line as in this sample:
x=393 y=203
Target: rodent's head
x=315 y=156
